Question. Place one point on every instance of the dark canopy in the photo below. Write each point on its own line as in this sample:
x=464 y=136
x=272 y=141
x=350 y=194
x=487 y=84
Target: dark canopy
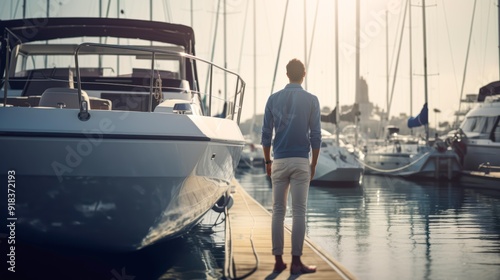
x=18 y=31
x=38 y=29
x=490 y=89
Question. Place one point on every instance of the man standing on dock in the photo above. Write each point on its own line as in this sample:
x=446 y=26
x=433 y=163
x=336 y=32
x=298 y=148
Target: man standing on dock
x=294 y=115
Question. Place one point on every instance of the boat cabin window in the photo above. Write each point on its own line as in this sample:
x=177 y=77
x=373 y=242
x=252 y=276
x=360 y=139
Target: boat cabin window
x=481 y=125
x=495 y=135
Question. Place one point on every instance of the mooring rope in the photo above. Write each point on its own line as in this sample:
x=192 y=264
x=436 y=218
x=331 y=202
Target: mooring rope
x=392 y=170
x=253 y=248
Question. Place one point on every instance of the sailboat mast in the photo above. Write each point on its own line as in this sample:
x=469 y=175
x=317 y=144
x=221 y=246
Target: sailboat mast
x=466 y=60
x=387 y=63
x=225 y=52
x=305 y=42
x=254 y=60
x=356 y=96
x=357 y=87
x=252 y=130
x=279 y=48
x=411 y=62
x=337 y=117
x=425 y=69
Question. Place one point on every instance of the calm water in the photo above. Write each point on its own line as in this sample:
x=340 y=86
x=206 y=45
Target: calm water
x=396 y=229
x=198 y=255
x=387 y=229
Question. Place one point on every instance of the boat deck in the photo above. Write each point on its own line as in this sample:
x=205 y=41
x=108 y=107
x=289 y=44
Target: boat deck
x=248 y=245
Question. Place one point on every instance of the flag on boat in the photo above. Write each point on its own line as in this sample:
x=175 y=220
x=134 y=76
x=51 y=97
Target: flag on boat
x=420 y=119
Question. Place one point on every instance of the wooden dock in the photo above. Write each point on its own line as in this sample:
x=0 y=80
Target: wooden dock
x=248 y=245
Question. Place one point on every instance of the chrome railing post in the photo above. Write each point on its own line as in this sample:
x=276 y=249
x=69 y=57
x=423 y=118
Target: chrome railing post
x=150 y=107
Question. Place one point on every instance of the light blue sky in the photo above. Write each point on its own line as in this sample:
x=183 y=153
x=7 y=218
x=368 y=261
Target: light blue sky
x=448 y=24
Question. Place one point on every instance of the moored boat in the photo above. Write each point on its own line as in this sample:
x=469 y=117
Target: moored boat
x=338 y=164
x=114 y=145
x=480 y=130
x=411 y=157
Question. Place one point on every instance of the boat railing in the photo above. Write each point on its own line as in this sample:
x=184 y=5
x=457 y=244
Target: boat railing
x=232 y=104
x=486 y=167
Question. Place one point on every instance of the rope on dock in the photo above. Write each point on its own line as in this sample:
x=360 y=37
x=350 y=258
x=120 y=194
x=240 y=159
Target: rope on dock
x=233 y=272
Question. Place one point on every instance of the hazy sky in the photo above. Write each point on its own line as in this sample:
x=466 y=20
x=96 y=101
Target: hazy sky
x=448 y=25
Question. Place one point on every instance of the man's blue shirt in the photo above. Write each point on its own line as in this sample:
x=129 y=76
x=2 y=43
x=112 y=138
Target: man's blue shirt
x=294 y=115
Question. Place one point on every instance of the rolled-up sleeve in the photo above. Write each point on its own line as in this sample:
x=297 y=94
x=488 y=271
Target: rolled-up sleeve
x=267 y=125
x=315 y=125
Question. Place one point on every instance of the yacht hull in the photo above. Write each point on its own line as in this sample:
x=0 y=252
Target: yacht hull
x=481 y=152
x=346 y=175
x=121 y=188
x=337 y=166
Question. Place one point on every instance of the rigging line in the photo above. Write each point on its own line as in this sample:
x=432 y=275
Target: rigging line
x=449 y=45
x=337 y=87
x=312 y=36
x=15 y=11
x=396 y=38
x=397 y=61
x=213 y=43
x=279 y=48
x=466 y=59
x=486 y=41
x=243 y=37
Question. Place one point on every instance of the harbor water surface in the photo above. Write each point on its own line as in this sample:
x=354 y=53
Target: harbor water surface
x=390 y=228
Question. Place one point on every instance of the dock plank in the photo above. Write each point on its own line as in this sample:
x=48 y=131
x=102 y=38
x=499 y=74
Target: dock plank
x=248 y=245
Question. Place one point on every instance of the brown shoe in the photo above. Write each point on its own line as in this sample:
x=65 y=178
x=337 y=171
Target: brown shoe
x=279 y=267
x=300 y=269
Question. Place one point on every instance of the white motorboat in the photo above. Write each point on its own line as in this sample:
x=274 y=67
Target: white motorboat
x=112 y=146
x=337 y=163
x=481 y=128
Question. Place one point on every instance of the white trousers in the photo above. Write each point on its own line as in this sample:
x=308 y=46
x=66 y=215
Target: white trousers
x=294 y=175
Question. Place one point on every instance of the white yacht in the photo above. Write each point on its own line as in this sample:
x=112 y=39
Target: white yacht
x=113 y=145
x=481 y=127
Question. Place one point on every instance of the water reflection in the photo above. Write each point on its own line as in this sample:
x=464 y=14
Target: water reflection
x=198 y=255
x=390 y=228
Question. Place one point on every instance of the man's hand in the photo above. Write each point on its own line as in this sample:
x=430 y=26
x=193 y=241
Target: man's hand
x=313 y=170
x=268 y=169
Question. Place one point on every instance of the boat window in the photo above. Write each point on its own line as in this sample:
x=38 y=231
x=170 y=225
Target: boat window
x=490 y=123
x=469 y=125
x=496 y=132
x=481 y=125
